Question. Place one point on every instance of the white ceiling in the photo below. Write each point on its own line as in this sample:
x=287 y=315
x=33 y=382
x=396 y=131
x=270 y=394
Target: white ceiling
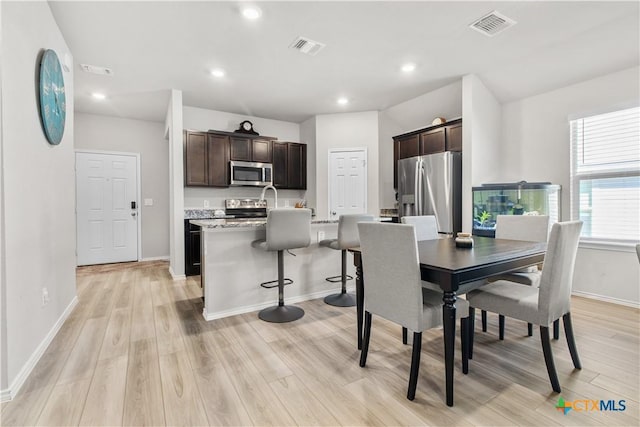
x=156 y=46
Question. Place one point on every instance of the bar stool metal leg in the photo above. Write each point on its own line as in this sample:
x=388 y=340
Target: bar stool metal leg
x=281 y=313
x=343 y=299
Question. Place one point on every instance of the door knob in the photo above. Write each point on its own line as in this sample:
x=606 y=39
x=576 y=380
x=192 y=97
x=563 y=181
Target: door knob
x=133 y=214
x=333 y=213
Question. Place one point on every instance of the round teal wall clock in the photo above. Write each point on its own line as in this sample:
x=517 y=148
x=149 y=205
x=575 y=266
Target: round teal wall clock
x=53 y=105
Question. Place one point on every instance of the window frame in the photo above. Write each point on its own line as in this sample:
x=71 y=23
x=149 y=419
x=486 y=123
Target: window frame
x=575 y=178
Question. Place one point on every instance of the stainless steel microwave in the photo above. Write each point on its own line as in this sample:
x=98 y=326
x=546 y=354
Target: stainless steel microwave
x=251 y=173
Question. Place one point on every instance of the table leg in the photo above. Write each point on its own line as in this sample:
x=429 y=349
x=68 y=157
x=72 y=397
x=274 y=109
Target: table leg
x=357 y=261
x=449 y=325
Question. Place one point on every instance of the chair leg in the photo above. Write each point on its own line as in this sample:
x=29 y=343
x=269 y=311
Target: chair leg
x=464 y=340
x=415 y=365
x=529 y=329
x=548 y=358
x=501 y=327
x=568 y=332
x=404 y=335
x=556 y=329
x=342 y=299
x=472 y=329
x=281 y=313
x=365 y=339
x=484 y=321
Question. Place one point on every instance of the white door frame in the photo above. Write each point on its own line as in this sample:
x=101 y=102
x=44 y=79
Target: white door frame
x=366 y=169
x=138 y=193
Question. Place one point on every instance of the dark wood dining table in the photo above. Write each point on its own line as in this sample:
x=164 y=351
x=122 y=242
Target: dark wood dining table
x=450 y=267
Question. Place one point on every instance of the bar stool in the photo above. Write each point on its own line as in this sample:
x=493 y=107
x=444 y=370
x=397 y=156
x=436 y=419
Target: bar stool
x=287 y=228
x=347 y=238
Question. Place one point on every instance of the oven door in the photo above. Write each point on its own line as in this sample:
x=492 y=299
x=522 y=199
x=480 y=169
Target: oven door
x=250 y=173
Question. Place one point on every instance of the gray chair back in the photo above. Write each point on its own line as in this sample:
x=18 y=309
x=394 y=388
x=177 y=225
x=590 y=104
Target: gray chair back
x=554 y=299
x=288 y=228
x=425 y=225
x=348 y=229
x=392 y=270
x=532 y=228
x=638 y=251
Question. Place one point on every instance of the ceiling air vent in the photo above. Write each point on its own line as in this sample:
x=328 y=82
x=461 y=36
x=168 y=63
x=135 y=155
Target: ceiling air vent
x=492 y=24
x=308 y=46
x=94 y=69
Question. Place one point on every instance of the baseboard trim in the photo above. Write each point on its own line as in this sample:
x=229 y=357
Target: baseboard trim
x=626 y=303
x=24 y=373
x=176 y=276
x=257 y=307
x=156 y=258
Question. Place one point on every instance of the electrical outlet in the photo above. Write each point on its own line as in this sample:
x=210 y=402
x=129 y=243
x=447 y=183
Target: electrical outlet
x=148 y=202
x=206 y=204
x=320 y=235
x=45 y=296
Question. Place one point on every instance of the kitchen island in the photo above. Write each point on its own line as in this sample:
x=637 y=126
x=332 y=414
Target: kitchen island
x=232 y=270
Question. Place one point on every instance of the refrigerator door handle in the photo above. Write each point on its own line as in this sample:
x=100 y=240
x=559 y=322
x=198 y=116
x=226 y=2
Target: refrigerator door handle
x=419 y=185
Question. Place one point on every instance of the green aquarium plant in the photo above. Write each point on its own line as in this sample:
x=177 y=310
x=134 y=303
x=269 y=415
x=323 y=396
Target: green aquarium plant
x=483 y=217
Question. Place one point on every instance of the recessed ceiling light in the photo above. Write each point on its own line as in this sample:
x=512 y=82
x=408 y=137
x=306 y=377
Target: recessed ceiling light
x=251 y=12
x=343 y=101
x=217 y=72
x=407 y=68
x=99 y=96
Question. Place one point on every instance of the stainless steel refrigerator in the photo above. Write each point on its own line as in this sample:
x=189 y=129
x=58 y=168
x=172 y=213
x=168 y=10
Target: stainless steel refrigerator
x=432 y=185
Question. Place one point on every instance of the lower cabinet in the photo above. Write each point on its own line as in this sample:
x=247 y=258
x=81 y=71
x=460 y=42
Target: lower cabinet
x=191 y=249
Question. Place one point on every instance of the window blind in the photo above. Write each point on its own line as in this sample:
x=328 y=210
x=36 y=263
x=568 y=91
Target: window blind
x=605 y=175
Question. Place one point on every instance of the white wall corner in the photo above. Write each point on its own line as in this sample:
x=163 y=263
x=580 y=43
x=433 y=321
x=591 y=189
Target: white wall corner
x=176 y=187
x=18 y=382
x=467 y=151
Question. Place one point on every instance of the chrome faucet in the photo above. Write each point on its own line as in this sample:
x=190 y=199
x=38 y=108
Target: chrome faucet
x=275 y=193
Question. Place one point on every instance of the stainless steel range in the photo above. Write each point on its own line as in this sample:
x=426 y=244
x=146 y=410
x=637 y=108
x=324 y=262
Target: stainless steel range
x=245 y=208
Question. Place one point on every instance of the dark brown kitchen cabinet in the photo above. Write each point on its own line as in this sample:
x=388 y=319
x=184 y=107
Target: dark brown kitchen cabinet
x=261 y=151
x=218 y=160
x=290 y=165
x=206 y=160
x=250 y=149
x=240 y=149
x=454 y=137
x=297 y=167
x=195 y=154
x=280 y=156
x=432 y=141
x=429 y=140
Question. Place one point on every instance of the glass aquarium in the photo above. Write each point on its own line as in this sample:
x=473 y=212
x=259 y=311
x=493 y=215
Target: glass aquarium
x=518 y=198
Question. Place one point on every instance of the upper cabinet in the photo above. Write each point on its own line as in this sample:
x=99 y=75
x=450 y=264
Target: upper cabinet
x=250 y=149
x=430 y=140
x=207 y=156
x=290 y=165
x=206 y=160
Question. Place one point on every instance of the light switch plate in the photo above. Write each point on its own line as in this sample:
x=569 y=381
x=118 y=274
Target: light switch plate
x=206 y=204
x=148 y=202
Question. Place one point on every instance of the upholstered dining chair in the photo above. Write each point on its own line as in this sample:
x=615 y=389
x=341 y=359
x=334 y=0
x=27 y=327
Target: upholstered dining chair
x=394 y=291
x=532 y=228
x=638 y=251
x=347 y=238
x=425 y=225
x=287 y=228
x=544 y=304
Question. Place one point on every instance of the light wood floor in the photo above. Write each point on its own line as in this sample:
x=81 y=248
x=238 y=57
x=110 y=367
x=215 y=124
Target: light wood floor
x=136 y=351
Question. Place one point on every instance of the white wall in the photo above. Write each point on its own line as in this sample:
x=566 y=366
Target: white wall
x=202 y=119
x=410 y=115
x=535 y=147
x=4 y=384
x=107 y=133
x=39 y=192
x=481 y=136
x=174 y=128
x=348 y=130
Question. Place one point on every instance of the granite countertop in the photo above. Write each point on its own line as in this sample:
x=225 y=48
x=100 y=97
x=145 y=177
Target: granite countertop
x=388 y=213
x=246 y=223
x=201 y=213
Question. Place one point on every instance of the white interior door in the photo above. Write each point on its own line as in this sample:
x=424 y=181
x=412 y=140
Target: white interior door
x=347 y=182
x=106 y=208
